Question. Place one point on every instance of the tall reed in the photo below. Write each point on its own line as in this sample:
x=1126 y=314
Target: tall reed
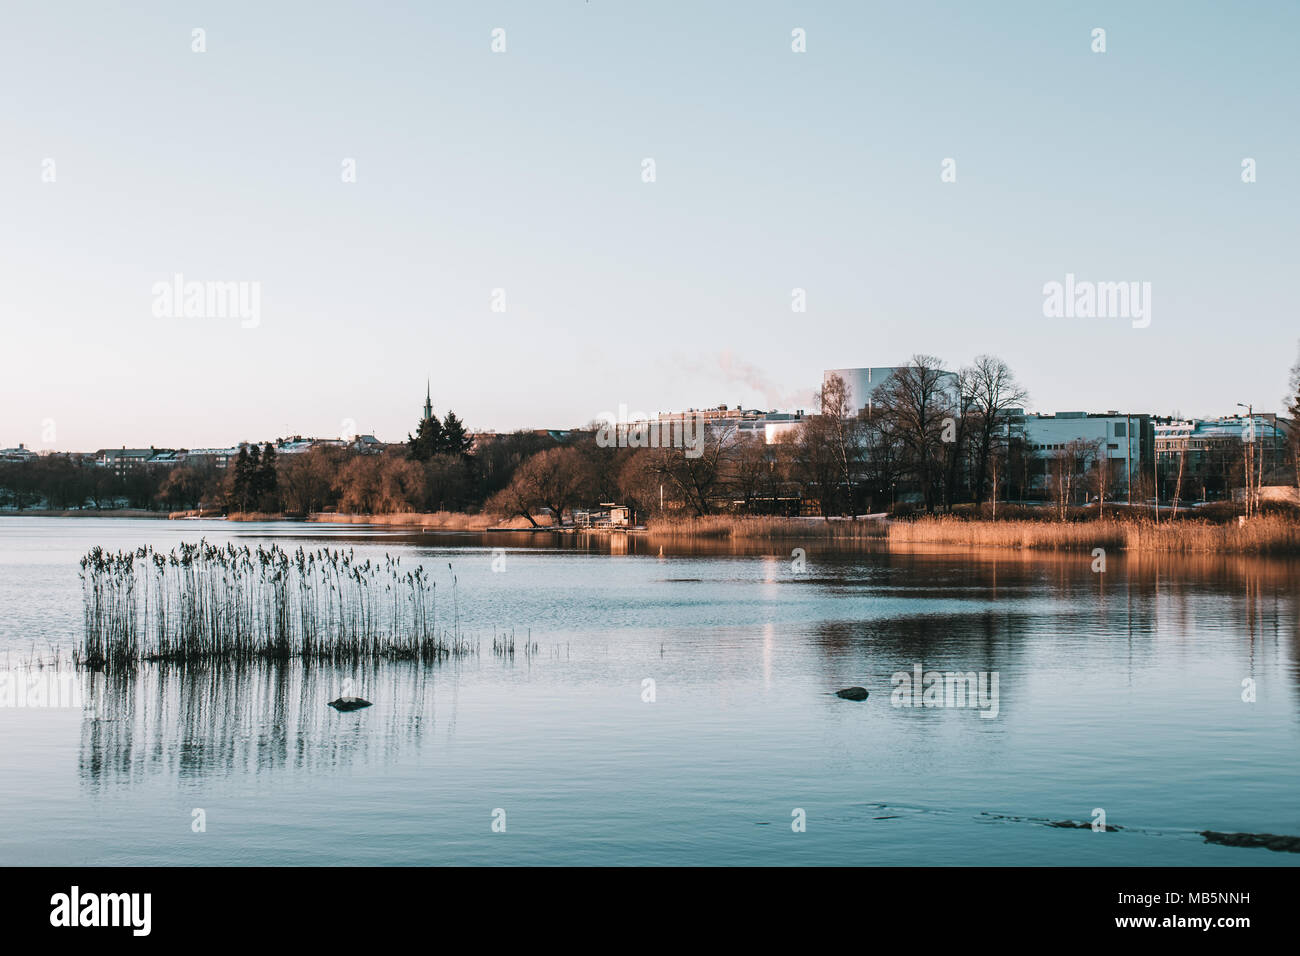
x=204 y=602
x=1267 y=534
x=765 y=526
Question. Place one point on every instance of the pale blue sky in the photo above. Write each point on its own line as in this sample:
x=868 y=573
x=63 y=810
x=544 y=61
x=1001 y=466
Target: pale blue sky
x=522 y=171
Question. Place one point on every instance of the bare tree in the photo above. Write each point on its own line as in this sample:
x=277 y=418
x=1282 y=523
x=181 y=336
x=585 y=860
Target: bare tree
x=308 y=480
x=994 y=392
x=919 y=401
x=843 y=434
x=814 y=462
x=550 y=479
x=697 y=479
x=1103 y=477
x=1293 y=408
x=1178 y=485
x=751 y=473
x=1069 y=464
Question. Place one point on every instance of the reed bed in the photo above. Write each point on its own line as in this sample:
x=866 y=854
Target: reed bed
x=760 y=526
x=1268 y=534
x=434 y=521
x=1009 y=534
x=1265 y=534
x=204 y=602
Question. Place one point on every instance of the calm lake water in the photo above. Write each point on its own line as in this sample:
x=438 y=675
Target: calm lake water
x=1121 y=691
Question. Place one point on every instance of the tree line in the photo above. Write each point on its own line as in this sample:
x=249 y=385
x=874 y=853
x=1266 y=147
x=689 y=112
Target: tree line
x=928 y=440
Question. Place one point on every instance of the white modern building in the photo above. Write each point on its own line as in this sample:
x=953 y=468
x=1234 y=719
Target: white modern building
x=1126 y=441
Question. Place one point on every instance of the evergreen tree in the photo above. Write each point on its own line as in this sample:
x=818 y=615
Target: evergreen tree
x=241 y=481
x=267 y=480
x=254 y=480
x=456 y=440
x=429 y=440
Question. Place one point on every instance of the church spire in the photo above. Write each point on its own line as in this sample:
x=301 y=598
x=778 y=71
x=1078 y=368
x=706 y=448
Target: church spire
x=428 y=402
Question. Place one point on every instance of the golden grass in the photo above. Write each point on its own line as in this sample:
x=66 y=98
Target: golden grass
x=1269 y=534
x=1009 y=534
x=440 y=520
x=1266 y=534
x=759 y=526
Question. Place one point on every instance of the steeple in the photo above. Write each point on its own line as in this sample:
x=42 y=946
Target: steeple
x=428 y=402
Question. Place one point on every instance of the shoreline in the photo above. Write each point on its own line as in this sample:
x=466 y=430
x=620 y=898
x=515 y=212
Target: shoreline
x=1268 y=534
x=84 y=513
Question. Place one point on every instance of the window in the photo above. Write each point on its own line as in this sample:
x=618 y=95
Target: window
x=1121 y=429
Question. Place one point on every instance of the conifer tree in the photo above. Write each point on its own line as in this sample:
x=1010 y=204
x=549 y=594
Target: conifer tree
x=240 y=486
x=428 y=441
x=456 y=441
x=267 y=480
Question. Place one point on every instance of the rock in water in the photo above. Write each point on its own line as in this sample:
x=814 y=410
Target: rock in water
x=1267 y=841
x=349 y=703
x=852 y=693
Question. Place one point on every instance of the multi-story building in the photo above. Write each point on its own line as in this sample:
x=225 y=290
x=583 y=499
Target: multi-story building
x=751 y=423
x=1206 y=458
x=1124 y=442
x=218 y=458
x=123 y=460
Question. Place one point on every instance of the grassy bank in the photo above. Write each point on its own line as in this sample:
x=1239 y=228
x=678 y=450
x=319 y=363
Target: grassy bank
x=756 y=527
x=1269 y=534
x=439 y=520
x=82 y=513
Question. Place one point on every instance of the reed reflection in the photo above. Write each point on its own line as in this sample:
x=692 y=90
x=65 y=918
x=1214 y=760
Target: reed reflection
x=196 y=721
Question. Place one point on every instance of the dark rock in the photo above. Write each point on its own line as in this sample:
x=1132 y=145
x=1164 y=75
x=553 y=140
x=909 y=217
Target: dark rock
x=349 y=703
x=852 y=693
x=1077 y=825
x=1268 y=841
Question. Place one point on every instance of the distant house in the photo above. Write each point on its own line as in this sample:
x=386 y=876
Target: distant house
x=21 y=453
x=608 y=515
x=297 y=445
x=367 y=445
x=123 y=460
x=218 y=458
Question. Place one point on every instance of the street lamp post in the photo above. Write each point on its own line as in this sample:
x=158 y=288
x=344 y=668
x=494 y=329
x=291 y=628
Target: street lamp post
x=1247 y=453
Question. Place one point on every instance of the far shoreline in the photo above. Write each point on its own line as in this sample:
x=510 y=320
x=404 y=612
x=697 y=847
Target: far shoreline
x=1268 y=534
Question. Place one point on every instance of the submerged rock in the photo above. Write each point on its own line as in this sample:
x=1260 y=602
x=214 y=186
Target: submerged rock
x=1083 y=825
x=1268 y=841
x=349 y=703
x=852 y=693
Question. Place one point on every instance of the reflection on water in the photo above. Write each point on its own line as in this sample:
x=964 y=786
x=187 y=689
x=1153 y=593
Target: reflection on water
x=224 y=719
x=1123 y=690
